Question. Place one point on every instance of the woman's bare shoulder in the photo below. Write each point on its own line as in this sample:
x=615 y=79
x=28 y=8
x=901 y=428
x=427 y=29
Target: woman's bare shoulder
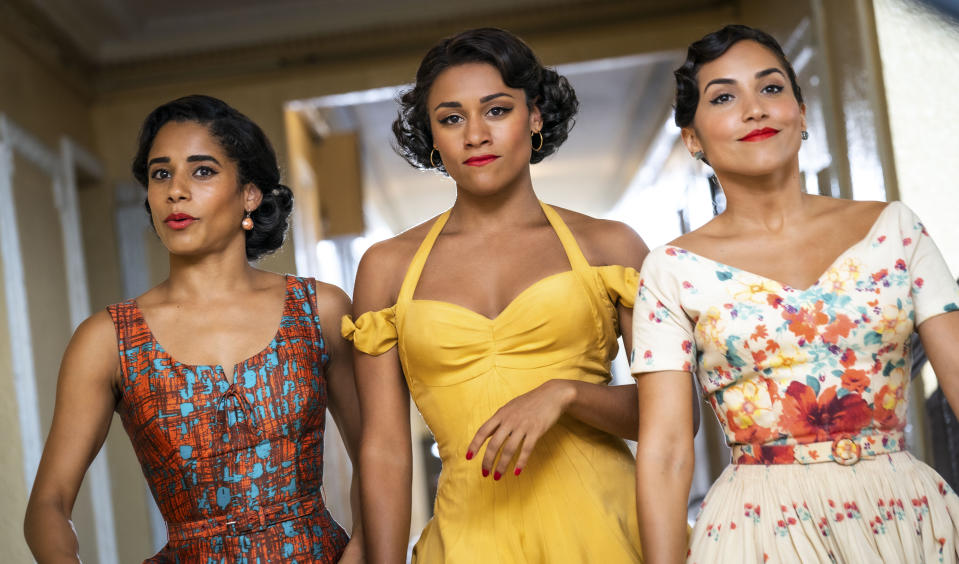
x=605 y=241
x=383 y=267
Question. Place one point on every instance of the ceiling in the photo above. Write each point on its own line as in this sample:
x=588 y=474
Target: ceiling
x=116 y=31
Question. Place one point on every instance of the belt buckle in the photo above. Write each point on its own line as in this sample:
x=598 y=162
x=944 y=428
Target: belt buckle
x=846 y=451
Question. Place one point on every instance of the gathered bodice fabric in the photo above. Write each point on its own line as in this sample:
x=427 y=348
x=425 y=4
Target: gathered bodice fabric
x=810 y=388
x=574 y=501
x=235 y=467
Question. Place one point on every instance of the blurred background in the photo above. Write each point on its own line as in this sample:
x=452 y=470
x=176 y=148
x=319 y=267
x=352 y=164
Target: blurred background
x=78 y=76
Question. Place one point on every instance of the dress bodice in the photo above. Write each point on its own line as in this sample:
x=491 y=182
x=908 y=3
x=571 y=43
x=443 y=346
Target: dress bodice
x=215 y=452
x=461 y=367
x=783 y=366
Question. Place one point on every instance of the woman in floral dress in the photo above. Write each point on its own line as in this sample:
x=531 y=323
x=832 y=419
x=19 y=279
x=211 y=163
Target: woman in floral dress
x=795 y=312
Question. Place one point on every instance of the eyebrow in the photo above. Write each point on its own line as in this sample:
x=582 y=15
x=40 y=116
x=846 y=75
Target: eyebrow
x=190 y=159
x=482 y=100
x=759 y=74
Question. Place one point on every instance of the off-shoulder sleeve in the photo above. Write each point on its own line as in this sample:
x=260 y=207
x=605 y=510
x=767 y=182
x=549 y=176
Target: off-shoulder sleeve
x=934 y=290
x=373 y=333
x=662 y=332
x=621 y=283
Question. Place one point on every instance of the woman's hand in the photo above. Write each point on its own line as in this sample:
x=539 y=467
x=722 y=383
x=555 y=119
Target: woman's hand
x=519 y=424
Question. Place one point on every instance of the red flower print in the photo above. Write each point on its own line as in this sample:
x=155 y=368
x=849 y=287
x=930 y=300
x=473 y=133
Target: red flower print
x=881 y=238
x=759 y=357
x=877 y=276
x=885 y=404
x=812 y=419
x=687 y=285
x=759 y=333
x=647 y=355
x=907 y=241
x=774 y=300
x=918 y=282
x=804 y=322
x=900 y=264
x=771 y=346
x=848 y=358
x=769 y=454
x=687 y=346
x=838 y=328
x=855 y=380
x=670 y=251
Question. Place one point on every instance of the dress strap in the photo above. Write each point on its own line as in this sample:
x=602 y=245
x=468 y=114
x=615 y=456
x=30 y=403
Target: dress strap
x=419 y=259
x=576 y=258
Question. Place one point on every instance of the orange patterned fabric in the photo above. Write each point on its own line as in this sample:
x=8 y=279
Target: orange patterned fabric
x=235 y=468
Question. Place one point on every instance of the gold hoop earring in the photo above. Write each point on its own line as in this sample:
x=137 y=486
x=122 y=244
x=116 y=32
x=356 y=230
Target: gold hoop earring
x=540 y=146
x=247 y=222
x=432 y=162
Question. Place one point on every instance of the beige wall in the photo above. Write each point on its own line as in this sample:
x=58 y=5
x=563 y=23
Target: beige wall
x=38 y=101
x=920 y=65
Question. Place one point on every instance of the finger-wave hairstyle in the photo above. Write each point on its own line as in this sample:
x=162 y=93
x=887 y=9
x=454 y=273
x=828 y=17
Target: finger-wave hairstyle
x=708 y=49
x=519 y=67
x=246 y=145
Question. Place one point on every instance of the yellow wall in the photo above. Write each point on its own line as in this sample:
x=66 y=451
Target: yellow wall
x=920 y=65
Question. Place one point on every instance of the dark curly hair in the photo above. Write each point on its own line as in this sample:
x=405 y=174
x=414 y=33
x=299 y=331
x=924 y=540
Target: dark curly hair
x=518 y=66
x=246 y=145
x=708 y=49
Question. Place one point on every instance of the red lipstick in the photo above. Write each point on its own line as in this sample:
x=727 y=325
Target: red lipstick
x=481 y=160
x=759 y=134
x=179 y=221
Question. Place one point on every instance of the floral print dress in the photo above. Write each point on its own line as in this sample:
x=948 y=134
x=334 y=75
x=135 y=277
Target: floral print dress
x=810 y=387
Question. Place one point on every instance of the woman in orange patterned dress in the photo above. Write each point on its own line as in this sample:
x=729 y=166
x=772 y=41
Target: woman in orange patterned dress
x=226 y=415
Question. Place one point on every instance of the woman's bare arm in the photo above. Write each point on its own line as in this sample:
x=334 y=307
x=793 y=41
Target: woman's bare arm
x=344 y=405
x=86 y=398
x=664 y=464
x=940 y=340
x=386 y=449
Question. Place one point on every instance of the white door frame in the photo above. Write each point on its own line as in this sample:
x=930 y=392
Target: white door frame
x=62 y=166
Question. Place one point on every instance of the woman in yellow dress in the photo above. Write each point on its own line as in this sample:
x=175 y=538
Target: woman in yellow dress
x=500 y=317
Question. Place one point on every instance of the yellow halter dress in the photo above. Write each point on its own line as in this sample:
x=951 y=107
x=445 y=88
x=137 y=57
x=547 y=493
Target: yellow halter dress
x=575 y=499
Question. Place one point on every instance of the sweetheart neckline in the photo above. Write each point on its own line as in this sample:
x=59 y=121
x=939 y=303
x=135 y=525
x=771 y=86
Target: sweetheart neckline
x=508 y=305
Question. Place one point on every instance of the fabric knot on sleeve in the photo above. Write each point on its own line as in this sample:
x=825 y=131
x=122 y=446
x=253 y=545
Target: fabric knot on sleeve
x=372 y=333
x=621 y=283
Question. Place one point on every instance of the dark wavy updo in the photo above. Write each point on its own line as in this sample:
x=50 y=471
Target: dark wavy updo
x=518 y=66
x=710 y=48
x=246 y=145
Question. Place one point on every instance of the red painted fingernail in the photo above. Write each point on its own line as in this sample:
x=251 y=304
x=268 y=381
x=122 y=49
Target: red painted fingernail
x=485 y=472
x=517 y=471
x=497 y=475
x=469 y=455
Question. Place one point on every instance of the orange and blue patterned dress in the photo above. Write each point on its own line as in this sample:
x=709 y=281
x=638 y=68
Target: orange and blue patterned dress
x=235 y=468
x=810 y=387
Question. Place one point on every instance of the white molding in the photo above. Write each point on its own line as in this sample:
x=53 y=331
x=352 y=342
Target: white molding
x=61 y=167
x=29 y=147
x=18 y=317
x=71 y=158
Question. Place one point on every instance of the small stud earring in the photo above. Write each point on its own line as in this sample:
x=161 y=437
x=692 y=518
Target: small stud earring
x=247 y=222
x=699 y=155
x=804 y=134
